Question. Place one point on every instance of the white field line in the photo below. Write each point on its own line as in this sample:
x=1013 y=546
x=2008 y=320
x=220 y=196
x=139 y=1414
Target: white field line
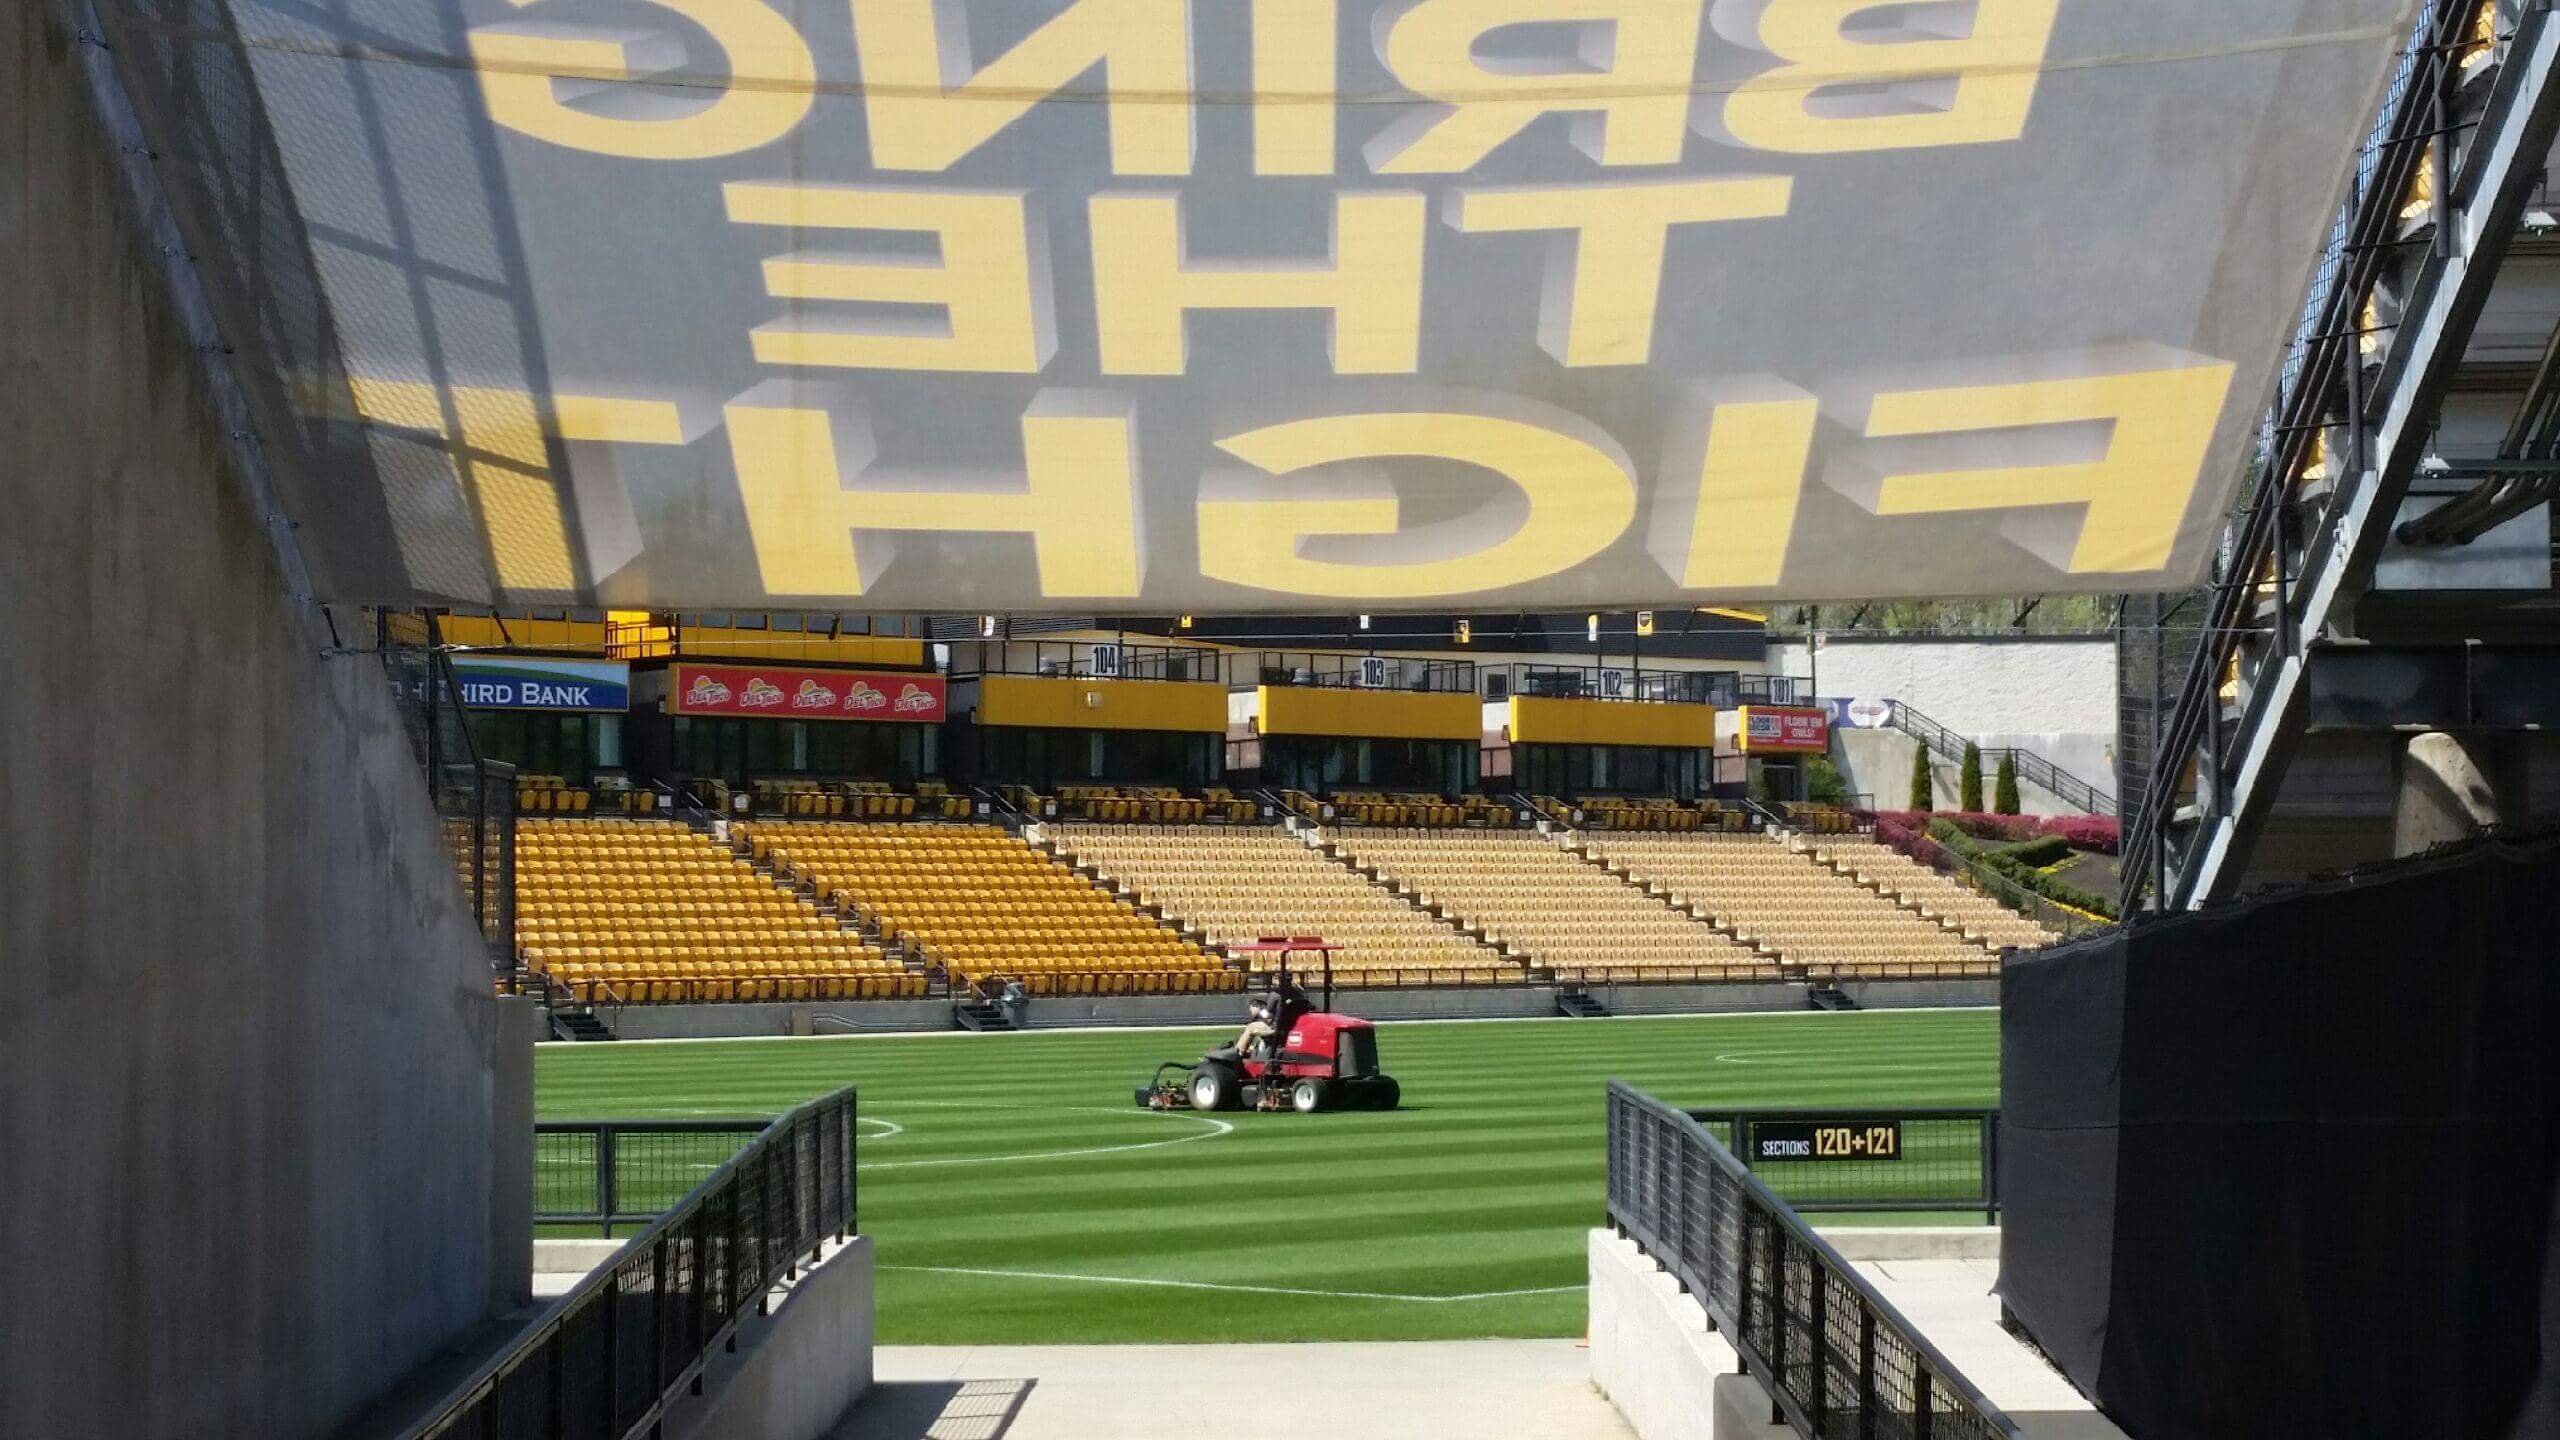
x=1232 y=1289
x=1218 y=1128
x=998 y=1036
x=888 y=1127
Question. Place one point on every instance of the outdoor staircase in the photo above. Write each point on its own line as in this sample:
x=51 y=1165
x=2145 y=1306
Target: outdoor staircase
x=981 y=1015
x=1575 y=1003
x=1629 y=879
x=2030 y=768
x=1829 y=997
x=578 y=1023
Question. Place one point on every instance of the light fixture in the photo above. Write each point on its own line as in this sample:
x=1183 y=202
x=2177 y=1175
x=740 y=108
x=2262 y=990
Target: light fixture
x=1364 y=622
x=2540 y=222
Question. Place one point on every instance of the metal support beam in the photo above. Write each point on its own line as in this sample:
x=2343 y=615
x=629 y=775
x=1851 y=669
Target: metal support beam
x=2504 y=162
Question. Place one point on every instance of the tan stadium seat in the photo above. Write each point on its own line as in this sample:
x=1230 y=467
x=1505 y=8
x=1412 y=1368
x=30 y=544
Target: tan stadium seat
x=1239 y=883
x=986 y=906
x=1786 y=900
x=1546 y=906
x=650 y=912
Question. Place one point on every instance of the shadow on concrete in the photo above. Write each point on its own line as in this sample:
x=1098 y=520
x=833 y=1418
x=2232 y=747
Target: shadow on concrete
x=936 y=1410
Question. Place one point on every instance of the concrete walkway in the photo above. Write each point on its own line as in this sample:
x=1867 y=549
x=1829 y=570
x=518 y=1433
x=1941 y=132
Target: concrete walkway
x=1422 y=1390
x=1951 y=1303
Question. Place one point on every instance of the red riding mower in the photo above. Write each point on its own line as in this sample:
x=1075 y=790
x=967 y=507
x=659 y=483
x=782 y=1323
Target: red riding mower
x=1312 y=1060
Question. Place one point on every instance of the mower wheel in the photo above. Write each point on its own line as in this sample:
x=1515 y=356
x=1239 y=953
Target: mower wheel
x=1383 y=1093
x=1213 y=1087
x=1307 y=1096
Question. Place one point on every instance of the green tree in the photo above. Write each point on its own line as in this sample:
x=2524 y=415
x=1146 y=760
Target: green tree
x=2004 y=787
x=1922 y=792
x=1822 y=782
x=1969 y=780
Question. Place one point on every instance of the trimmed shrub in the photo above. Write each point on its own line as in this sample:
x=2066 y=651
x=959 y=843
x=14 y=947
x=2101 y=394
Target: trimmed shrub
x=1822 y=782
x=2041 y=851
x=1969 y=779
x=1923 y=791
x=2004 y=787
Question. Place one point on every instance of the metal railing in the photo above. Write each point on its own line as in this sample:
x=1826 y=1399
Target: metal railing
x=475 y=799
x=627 y=1172
x=1341 y=671
x=1941 y=1158
x=1094 y=660
x=1837 y=1359
x=2032 y=768
x=604 y=1361
x=1599 y=681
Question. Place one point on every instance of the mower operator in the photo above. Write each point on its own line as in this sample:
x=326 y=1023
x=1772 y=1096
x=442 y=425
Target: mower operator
x=1286 y=1003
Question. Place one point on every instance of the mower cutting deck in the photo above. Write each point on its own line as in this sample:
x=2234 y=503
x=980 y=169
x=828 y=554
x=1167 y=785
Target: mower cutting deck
x=1314 y=1059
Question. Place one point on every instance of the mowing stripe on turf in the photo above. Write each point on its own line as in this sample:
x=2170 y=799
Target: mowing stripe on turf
x=1231 y=1289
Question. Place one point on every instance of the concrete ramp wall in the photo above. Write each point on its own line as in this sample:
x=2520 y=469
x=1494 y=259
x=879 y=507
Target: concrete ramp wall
x=266 y=1131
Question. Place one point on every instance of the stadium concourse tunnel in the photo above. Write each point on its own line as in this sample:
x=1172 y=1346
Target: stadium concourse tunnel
x=2287 y=1166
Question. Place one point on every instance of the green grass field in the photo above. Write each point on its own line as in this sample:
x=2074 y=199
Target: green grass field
x=1017 y=1197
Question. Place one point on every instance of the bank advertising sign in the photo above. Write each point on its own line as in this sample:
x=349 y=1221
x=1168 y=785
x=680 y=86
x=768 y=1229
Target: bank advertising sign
x=1158 y=306
x=782 y=692
x=1783 y=730
x=524 y=682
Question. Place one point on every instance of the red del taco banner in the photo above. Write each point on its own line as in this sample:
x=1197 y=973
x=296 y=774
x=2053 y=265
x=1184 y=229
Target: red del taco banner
x=784 y=693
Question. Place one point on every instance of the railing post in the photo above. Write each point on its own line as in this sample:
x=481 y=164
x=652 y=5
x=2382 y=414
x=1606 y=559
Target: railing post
x=1866 y=1373
x=608 y=1184
x=1818 y=1349
x=1923 y=1408
x=1991 y=1167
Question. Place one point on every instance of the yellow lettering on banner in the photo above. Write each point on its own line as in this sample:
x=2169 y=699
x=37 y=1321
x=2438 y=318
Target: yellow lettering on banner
x=766 y=93
x=1581 y=498
x=1984 y=81
x=1293 y=86
x=1079 y=504
x=2136 y=493
x=1597 y=307
x=1630 y=94
x=927 y=110
x=503 y=458
x=1727 y=506
x=995 y=297
x=1143 y=285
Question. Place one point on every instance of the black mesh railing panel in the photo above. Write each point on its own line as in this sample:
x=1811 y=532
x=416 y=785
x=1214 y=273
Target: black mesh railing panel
x=601 y=1364
x=1834 y=1355
x=1871 y=1160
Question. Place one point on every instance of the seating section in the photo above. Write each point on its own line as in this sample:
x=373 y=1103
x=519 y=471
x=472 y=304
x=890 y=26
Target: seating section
x=1553 y=909
x=857 y=799
x=1419 y=809
x=647 y=911
x=1238 y=884
x=987 y=907
x=1784 y=901
x=1937 y=896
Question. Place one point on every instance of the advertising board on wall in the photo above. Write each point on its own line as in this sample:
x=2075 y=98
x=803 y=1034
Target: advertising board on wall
x=783 y=692
x=1782 y=730
x=534 y=682
x=1207 y=305
x=1861 y=714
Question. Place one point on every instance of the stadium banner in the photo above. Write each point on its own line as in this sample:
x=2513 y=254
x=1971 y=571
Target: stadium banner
x=782 y=692
x=531 y=682
x=1782 y=730
x=1154 y=306
x=1861 y=714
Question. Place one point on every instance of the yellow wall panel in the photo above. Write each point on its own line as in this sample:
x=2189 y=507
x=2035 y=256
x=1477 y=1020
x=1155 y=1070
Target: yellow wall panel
x=1543 y=720
x=1084 y=704
x=1384 y=714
